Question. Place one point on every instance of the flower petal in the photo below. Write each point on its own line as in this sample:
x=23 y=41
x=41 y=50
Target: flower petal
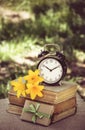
x=18 y=94
x=28 y=91
x=20 y=79
x=24 y=94
x=30 y=72
x=29 y=86
x=14 y=83
x=15 y=89
x=37 y=72
x=33 y=95
x=40 y=94
x=41 y=79
x=19 y=86
x=26 y=77
x=41 y=87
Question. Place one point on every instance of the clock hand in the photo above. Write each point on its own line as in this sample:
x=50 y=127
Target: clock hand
x=47 y=67
x=55 y=68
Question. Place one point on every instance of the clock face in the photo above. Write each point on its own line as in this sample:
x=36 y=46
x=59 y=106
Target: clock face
x=51 y=70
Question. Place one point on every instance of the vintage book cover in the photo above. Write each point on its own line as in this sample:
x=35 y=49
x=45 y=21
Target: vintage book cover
x=37 y=112
x=51 y=94
x=69 y=112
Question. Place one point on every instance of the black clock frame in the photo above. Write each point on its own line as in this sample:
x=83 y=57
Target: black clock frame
x=61 y=59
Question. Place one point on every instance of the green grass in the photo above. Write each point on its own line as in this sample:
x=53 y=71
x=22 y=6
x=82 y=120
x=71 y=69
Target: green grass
x=12 y=49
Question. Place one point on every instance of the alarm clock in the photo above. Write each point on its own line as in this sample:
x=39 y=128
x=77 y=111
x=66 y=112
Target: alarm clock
x=52 y=65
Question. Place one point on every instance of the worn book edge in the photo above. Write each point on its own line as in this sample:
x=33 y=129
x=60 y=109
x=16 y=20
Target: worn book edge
x=63 y=115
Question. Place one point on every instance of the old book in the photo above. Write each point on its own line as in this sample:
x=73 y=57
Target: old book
x=66 y=105
x=37 y=112
x=14 y=109
x=56 y=116
x=14 y=100
x=51 y=94
x=69 y=112
x=58 y=108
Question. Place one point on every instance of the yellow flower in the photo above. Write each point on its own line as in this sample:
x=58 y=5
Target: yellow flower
x=34 y=90
x=19 y=87
x=32 y=86
x=33 y=77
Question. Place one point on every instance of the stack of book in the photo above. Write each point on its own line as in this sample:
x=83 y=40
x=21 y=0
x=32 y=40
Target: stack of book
x=63 y=99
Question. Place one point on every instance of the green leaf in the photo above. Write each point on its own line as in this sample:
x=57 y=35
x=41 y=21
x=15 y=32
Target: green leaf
x=28 y=110
x=33 y=119
x=40 y=115
x=32 y=107
x=43 y=115
x=37 y=106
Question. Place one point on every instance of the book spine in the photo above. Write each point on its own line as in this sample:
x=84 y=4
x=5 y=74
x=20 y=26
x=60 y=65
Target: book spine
x=16 y=101
x=57 y=117
x=63 y=106
x=14 y=109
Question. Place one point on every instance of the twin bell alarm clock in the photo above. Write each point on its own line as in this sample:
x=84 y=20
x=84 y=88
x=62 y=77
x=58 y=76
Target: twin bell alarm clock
x=52 y=64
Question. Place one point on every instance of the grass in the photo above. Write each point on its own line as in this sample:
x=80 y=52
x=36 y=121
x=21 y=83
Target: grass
x=10 y=49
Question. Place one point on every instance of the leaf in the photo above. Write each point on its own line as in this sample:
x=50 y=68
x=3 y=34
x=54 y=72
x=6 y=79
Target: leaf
x=33 y=119
x=25 y=109
x=40 y=115
x=46 y=115
x=32 y=107
x=37 y=106
x=28 y=110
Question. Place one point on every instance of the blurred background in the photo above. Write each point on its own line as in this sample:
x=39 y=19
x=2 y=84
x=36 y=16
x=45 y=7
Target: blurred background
x=27 y=25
